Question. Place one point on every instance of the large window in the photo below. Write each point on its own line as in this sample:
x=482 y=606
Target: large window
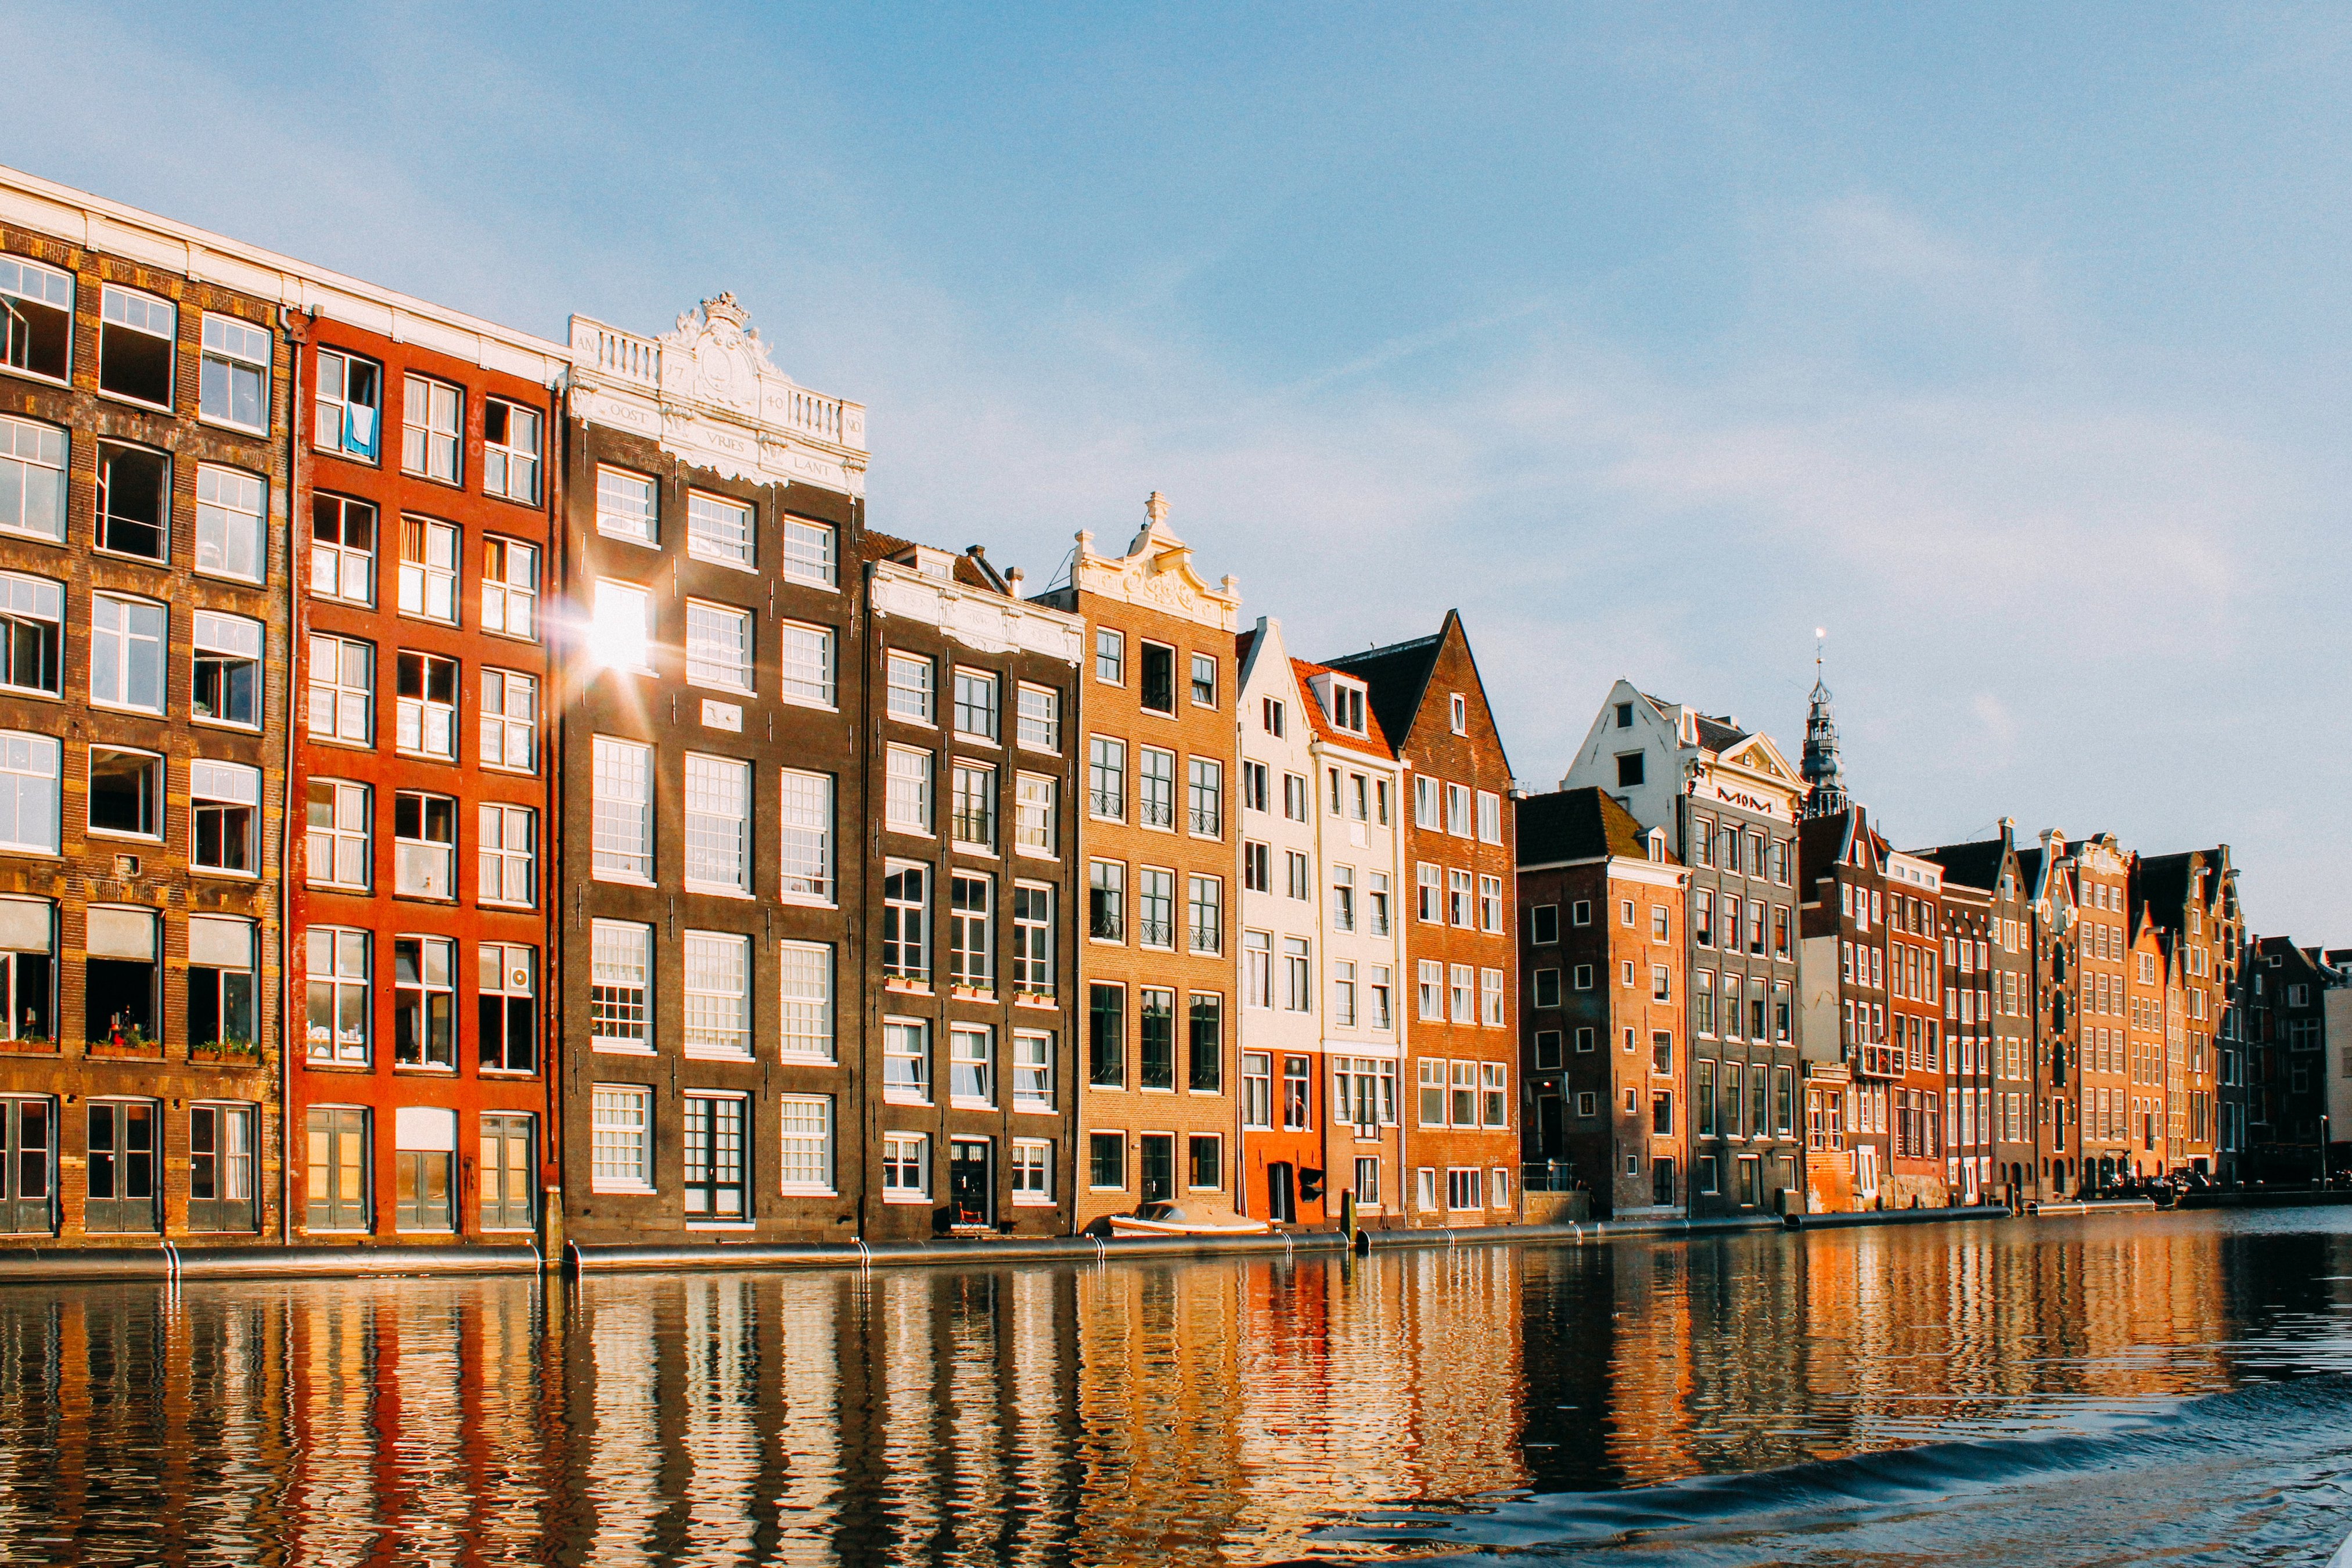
x=807 y=835
x=910 y=678
x=126 y=791
x=28 y=1164
x=424 y=1148
x=907 y=922
x=976 y=704
x=1033 y=1070
x=29 y=793
x=510 y=721
x=1040 y=719
x=507 y=997
x=1033 y=1172
x=906 y=1061
x=1034 y=824
x=125 y=958
x=336 y=1180
x=32 y=479
x=906 y=790
x=337 y=965
x=717 y=646
x=809 y=553
x=621 y=1139
x=336 y=852
x=424 y=713
x=1257 y=969
x=807 y=988
x=508 y=1171
x=431 y=440
x=806 y=655
x=1159 y=692
x=27 y=973
x=718 y=527
x=1205 y=914
x=1033 y=939
x=136 y=336
x=1155 y=907
x=424 y=845
x=972 y=1066
x=1106 y=1035
x=906 y=1168
x=620 y=986
x=1106 y=778
x=971 y=926
x=718 y=824
x=1205 y=1043
x=230 y=505
x=510 y=451
x=428 y=569
x=717 y=995
x=342 y=691
x=507 y=863
x=1155 y=788
x=126 y=653
x=973 y=814
x=624 y=831
x=1257 y=1089
x=1206 y=811
x=224 y=683
x=224 y=814
x=424 y=1002
x=348 y=410
x=713 y=1163
x=221 y=984
x=807 y=1144
x=221 y=1141
x=1106 y=1161
x=36 y=306
x=626 y=507
x=1155 y=1018
x=510 y=588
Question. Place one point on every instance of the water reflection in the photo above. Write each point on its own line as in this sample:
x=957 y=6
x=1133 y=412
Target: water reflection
x=1180 y=1414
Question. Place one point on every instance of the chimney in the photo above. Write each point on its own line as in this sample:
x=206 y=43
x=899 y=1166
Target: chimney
x=1013 y=578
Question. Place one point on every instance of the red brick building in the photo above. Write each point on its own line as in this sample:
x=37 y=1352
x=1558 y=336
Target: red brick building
x=1461 y=1139
x=421 y=890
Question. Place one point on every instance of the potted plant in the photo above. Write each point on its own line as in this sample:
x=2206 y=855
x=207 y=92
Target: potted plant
x=241 y=1053
x=126 y=1040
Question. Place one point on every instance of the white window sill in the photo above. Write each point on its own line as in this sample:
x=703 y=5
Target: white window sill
x=641 y=1190
x=1030 y=1200
x=966 y=847
x=1034 y=1111
x=1034 y=853
x=711 y=890
x=1106 y=1189
x=735 y=1225
x=971 y=1105
x=910 y=829
x=706 y=1056
x=890 y=1098
x=906 y=1199
x=622 y=880
x=800 y=901
x=641 y=542
x=1036 y=999
x=818 y=583
x=807 y=1058
x=620 y=1048
x=789 y=701
x=910 y=719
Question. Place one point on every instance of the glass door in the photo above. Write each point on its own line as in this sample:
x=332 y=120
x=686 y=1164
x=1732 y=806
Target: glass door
x=122 y=1145
x=1159 y=1167
x=506 y=1173
x=338 y=1168
x=971 y=1189
x=28 y=1147
x=220 y=1167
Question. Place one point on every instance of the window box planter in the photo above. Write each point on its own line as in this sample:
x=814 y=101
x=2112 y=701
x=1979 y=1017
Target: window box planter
x=227 y=1053
x=131 y=1044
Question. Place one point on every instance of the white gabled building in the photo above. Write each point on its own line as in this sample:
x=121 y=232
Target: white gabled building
x=1321 y=1027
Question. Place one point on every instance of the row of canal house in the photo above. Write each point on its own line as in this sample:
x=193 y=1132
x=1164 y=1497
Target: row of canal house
x=1970 y=1022
x=467 y=787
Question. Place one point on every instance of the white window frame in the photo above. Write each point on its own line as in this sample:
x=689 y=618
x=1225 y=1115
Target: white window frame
x=804 y=659
x=623 y=521
x=1037 y=723
x=621 y=959
x=510 y=588
x=901 y=1151
x=506 y=854
x=346 y=700
x=350 y=800
x=906 y=790
x=717 y=823
x=805 y=837
x=805 y=984
x=232 y=512
x=124 y=636
x=29 y=448
x=502 y=730
x=432 y=429
x=621 y=806
x=715 y=981
x=708 y=626
x=230 y=785
x=812 y=553
x=621 y=1138
x=621 y=633
x=801 y=1146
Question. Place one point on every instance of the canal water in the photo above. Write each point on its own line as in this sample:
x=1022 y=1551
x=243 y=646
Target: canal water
x=2171 y=1388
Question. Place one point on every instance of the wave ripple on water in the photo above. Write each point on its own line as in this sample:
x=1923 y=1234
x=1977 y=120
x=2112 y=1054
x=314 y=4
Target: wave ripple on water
x=2255 y=1476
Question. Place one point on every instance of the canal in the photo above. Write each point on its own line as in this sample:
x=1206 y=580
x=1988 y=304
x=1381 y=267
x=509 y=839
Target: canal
x=2123 y=1388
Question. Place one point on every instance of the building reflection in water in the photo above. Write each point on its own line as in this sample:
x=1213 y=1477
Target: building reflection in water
x=1188 y=1413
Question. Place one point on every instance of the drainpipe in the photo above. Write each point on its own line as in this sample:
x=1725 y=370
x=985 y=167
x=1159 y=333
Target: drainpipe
x=551 y=990
x=297 y=333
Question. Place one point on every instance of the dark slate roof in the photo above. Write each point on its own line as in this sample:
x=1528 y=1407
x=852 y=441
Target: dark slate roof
x=1397 y=676
x=2164 y=879
x=1718 y=736
x=1578 y=825
x=1976 y=865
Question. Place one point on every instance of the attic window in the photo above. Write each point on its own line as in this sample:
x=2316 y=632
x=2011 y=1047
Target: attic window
x=1460 y=714
x=1628 y=771
x=1624 y=715
x=1657 y=841
x=1348 y=707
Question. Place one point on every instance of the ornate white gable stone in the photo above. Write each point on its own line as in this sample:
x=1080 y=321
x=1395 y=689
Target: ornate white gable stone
x=706 y=392
x=1157 y=574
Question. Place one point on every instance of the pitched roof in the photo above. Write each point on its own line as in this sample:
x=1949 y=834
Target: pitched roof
x=1397 y=676
x=1578 y=825
x=1375 y=739
x=1718 y=735
x=1974 y=865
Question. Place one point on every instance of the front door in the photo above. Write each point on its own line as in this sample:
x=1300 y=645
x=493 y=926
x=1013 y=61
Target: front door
x=122 y=1148
x=337 y=1163
x=1281 y=1194
x=27 y=1146
x=972 y=1188
x=506 y=1173
x=1159 y=1167
x=220 y=1167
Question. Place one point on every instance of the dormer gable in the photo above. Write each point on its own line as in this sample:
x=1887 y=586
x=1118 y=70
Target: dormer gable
x=1343 y=698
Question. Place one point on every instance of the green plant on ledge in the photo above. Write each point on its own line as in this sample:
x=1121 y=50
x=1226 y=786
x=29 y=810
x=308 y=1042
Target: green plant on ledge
x=130 y=1042
x=226 y=1049
x=29 y=1043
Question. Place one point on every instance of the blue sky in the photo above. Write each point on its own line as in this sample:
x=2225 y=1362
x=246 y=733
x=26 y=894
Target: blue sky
x=2009 y=343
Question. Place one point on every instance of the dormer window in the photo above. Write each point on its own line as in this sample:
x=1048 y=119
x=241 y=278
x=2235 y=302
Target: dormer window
x=1348 y=707
x=1657 y=837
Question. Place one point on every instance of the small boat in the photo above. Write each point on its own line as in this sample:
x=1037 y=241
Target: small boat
x=1168 y=1219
